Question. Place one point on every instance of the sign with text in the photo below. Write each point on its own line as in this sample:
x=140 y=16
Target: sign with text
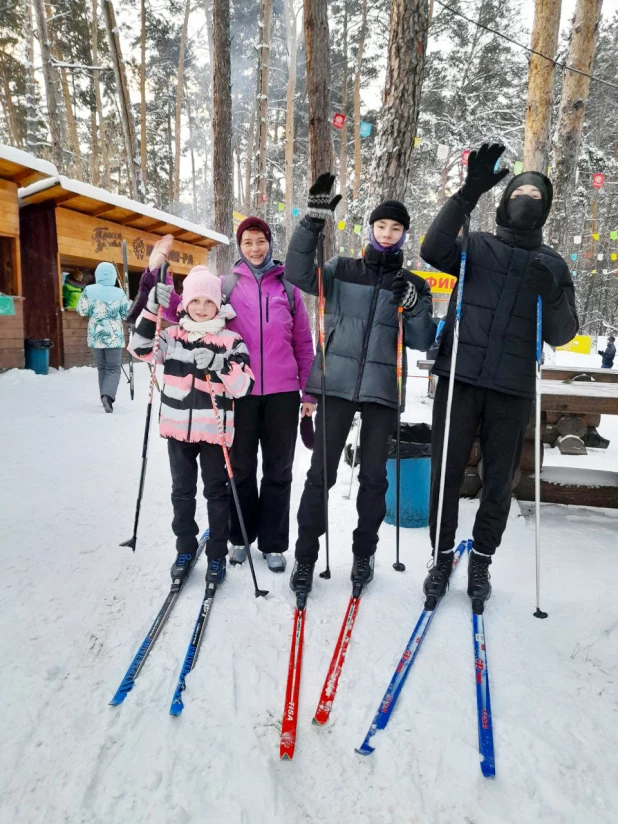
x=439 y=282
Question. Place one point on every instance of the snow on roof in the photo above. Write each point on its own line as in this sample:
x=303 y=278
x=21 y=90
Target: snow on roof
x=17 y=157
x=86 y=190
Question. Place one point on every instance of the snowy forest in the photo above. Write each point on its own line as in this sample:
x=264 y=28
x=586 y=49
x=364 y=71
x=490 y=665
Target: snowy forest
x=135 y=97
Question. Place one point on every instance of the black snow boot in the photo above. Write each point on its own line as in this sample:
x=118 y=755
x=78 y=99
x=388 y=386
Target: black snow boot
x=301 y=579
x=479 y=588
x=107 y=403
x=362 y=571
x=182 y=566
x=436 y=582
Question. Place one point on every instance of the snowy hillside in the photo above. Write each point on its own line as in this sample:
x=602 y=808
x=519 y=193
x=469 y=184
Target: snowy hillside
x=75 y=606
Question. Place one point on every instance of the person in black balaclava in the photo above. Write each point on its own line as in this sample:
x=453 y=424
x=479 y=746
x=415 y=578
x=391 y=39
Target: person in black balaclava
x=495 y=371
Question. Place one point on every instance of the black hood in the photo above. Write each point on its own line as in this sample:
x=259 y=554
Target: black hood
x=542 y=183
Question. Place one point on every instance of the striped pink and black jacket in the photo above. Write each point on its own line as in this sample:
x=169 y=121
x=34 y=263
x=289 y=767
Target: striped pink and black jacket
x=186 y=412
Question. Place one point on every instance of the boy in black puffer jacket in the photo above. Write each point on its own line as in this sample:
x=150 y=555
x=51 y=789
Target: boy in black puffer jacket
x=495 y=370
x=361 y=362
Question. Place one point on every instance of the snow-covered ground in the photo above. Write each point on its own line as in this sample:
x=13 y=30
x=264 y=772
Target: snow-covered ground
x=74 y=606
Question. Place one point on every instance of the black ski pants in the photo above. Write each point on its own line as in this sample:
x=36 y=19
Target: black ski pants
x=183 y=464
x=269 y=421
x=503 y=420
x=378 y=422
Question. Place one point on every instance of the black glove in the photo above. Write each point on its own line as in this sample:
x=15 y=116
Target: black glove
x=319 y=203
x=542 y=280
x=481 y=176
x=406 y=288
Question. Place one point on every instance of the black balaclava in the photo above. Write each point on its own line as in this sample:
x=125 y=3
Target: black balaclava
x=521 y=220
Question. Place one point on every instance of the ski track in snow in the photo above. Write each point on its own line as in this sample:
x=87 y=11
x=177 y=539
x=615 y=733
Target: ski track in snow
x=75 y=606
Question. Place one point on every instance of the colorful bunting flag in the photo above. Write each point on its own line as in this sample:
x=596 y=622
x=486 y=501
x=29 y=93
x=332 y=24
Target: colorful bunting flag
x=595 y=235
x=464 y=156
x=352 y=252
x=357 y=228
x=577 y=240
x=364 y=128
x=442 y=151
x=613 y=235
x=295 y=211
x=600 y=256
x=417 y=142
x=614 y=256
x=598 y=180
x=281 y=207
x=518 y=167
x=341 y=250
x=264 y=197
x=338 y=120
x=341 y=225
x=573 y=256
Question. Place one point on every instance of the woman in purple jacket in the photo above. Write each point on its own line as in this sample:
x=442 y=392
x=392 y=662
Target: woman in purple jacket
x=273 y=321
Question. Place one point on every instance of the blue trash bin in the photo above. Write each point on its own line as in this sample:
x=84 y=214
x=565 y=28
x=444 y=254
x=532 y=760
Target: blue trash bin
x=415 y=476
x=37 y=355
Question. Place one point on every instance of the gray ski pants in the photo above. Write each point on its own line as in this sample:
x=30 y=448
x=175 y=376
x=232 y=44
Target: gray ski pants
x=108 y=365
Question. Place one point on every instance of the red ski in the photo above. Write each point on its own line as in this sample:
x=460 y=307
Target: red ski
x=329 y=689
x=290 y=712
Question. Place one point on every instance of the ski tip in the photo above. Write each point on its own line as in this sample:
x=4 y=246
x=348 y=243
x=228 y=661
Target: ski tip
x=364 y=749
x=286 y=756
x=488 y=768
x=319 y=720
x=176 y=707
x=117 y=700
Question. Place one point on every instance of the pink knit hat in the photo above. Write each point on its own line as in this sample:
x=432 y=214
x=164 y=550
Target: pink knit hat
x=201 y=283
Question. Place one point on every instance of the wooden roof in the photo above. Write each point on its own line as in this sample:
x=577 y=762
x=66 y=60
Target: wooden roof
x=89 y=200
x=23 y=168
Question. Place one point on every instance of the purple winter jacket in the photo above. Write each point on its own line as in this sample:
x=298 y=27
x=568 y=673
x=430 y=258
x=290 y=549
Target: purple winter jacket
x=147 y=281
x=280 y=346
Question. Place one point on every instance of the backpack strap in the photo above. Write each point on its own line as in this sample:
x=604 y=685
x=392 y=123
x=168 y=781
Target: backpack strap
x=230 y=281
x=289 y=291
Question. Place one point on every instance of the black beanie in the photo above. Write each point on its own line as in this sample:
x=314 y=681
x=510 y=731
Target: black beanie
x=391 y=210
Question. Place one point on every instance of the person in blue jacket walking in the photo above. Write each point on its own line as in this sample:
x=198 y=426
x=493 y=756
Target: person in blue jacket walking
x=106 y=306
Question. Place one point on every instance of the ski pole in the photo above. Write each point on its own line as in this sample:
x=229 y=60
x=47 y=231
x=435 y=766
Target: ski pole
x=142 y=478
x=451 y=383
x=398 y=566
x=358 y=425
x=537 y=455
x=125 y=270
x=321 y=331
x=230 y=474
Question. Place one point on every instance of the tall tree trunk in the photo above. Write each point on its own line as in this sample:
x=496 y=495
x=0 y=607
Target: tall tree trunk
x=222 y=126
x=318 y=92
x=102 y=139
x=249 y=159
x=290 y=27
x=124 y=102
x=575 y=89
x=541 y=83
x=239 y=181
x=392 y=162
x=8 y=102
x=208 y=132
x=264 y=51
x=344 y=108
x=177 y=125
x=142 y=90
x=55 y=109
x=192 y=154
x=357 y=114
x=31 y=119
x=76 y=163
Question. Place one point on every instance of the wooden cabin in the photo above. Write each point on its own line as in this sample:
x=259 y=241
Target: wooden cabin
x=68 y=225
x=17 y=169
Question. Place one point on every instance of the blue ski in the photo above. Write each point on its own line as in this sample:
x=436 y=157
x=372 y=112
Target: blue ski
x=128 y=682
x=483 y=701
x=193 y=649
x=391 y=695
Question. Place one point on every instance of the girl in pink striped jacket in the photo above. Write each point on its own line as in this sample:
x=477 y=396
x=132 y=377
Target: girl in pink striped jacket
x=200 y=347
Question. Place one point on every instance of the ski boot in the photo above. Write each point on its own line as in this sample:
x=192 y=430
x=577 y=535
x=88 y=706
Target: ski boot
x=362 y=573
x=215 y=574
x=182 y=567
x=107 y=403
x=479 y=588
x=275 y=560
x=301 y=581
x=436 y=582
x=238 y=554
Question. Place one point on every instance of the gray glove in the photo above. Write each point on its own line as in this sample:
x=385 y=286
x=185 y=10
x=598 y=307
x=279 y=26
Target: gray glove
x=159 y=295
x=208 y=360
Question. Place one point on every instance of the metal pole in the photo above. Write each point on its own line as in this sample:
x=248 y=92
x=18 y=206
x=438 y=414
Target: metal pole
x=537 y=456
x=398 y=566
x=358 y=426
x=326 y=572
x=451 y=383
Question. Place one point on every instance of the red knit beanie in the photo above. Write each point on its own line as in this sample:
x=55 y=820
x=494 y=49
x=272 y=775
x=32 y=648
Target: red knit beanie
x=253 y=223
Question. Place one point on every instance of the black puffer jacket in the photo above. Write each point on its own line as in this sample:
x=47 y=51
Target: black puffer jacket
x=497 y=333
x=361 y=320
